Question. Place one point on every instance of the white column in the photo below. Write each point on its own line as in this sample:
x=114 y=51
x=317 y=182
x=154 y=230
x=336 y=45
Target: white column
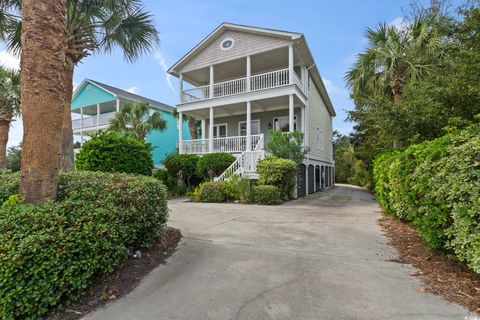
x=249 y=73
x=210 y=131
x=180 y=132
x=180 y=83
x=212 y=79
x=302 y=121
x=204 y=133
x=249 y=126
x=290 y=63
x=81 y=126
x=118 y=105
x=291 y=120
x=98 y=115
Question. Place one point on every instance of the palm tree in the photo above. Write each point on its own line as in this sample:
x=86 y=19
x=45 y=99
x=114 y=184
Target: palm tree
x=136 y=118
x=192 y=123
x=43 y=88
x=96 y=26
x=393 y=58
x=9 y=107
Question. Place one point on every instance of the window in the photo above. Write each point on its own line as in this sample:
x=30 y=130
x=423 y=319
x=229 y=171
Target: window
x=320 y=138
x=255 y=127
x=227 y=44
x=282 y=124
x=220 y=130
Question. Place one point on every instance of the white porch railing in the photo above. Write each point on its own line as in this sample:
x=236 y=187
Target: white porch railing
x=268 y=80
x=246 y=163
x=91 y=121
x=234 y=144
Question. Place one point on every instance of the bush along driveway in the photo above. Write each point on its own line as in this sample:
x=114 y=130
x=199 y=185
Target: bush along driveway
x=323 y=257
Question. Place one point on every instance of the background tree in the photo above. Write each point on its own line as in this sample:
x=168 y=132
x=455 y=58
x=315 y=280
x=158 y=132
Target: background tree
x=137 y=119
x=96 y=26
x=393 y=58
x=9 y=107
x=43 y=88
x=14 y=157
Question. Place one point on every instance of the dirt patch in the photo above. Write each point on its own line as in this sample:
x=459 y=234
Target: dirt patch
x=125 y=279
x=442 y=276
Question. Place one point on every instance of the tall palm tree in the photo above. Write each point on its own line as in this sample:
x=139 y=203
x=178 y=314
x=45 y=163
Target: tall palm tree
x=137 y=119
x=96 y=26
x=9 y=107
x=393 y=58
x=43 y=87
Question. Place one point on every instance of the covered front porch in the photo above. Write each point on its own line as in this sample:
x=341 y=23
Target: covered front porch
x=244 y=126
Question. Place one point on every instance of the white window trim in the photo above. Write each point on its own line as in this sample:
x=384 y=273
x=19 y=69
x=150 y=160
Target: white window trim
x=295 y=124
x=216 y=125
x=320 y=139
x=245 y=121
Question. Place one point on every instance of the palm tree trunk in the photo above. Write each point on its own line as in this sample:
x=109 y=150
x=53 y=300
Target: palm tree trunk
x=4 y=128
x=43 y=91
x=397 y=98
x=67 y=159
x=192 y=127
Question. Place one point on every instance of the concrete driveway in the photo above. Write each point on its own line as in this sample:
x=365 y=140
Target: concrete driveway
x=322 y=257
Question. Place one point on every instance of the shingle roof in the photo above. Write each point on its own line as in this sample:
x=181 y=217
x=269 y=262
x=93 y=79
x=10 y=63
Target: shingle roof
x=131 y=96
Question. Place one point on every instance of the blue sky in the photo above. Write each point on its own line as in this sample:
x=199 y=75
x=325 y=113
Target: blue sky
x=334 y=31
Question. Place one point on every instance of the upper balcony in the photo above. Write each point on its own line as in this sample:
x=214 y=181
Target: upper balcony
x=262 y=81
x=251 y=74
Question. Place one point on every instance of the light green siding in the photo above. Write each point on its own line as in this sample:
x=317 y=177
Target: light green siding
x=89 y=95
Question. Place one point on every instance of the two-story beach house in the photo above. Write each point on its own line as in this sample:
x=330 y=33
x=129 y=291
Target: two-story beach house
x=94 y=104
x=244 y=81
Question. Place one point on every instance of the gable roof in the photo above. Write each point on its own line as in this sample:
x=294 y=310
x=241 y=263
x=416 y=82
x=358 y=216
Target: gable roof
x=122 y=94
x=299 y=42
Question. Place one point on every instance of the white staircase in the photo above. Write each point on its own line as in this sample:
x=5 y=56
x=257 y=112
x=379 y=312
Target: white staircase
x=245 y=164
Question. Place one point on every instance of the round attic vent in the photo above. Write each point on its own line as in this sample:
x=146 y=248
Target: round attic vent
x=89 y=87
x=227 y=44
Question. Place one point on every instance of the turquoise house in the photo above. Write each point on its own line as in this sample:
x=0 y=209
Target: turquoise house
x=94 y=104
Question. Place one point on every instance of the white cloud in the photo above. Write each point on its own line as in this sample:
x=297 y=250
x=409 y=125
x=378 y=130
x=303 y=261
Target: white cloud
x=134 y=90
x=399 y=23
x=9 y=60
x=161 y=61
x=332 y=88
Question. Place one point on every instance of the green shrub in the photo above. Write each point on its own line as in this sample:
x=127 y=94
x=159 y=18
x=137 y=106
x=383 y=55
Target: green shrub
x=9 y=184
x=287 y=145
x=238 y=188
x=278 y=172
x=435 y=185
x=49 y=254
x=212 y=165
x=212 y=192
x=115 y=152
x=181 y=170
x=265 y=194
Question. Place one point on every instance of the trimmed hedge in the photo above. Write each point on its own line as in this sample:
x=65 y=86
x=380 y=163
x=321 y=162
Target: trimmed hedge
x=265 y=194
x=278 y=172
x=436 y=186
x=214 y=164
x=115 y=152
x=212 y=192
x=49 y=254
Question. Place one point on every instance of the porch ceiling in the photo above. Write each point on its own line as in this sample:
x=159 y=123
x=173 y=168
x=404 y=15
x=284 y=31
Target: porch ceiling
x=277 y=103
x=233 y=69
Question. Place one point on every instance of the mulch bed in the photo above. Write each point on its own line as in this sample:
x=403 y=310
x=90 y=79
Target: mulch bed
x=125 y=279
x=442 y=276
